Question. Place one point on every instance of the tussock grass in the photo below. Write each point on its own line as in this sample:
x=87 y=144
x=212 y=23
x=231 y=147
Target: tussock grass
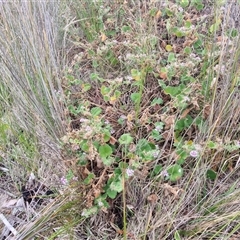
x=31 y=64
x=30 y=73
x=32 y=101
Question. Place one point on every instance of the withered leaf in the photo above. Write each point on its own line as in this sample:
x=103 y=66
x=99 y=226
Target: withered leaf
x=168 y=120
x=206 y=111
x=152 y=199
x=112 y=140
x=163 y=75
x=173 y=190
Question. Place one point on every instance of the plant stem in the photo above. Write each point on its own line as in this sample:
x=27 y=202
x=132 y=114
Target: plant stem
x=124 y=198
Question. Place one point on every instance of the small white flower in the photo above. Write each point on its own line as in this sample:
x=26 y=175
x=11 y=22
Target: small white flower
x=83 y=120
x=238 y=143
x=156 y=153
x=186 y=99
x=194 y=153
x=64 y=181
x=128 y=55
x=57 y=92
x=88 y=128
x=75 y=147
x=128 y=78
x=129 y=172
x=112 y=131
x=192 y=55
x=180 y=9
x=123 y=117
x=158 y=128
x=100 y=203
x=164 y=173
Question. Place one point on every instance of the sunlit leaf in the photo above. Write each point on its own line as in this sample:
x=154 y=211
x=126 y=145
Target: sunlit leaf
x=175 y=172
x=169 y=48
x=136 y=75
x=108 y=161
x=95 y=111
x=171 y=57
x=156 y=101
x=86 y=87
x=111 y=193
x=125 y=139
x=136 y=97
x=184 y=3
x=105 y=151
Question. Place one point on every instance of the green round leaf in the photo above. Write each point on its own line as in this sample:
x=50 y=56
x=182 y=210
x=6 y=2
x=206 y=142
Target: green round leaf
x=117 y=94
x=136 y=97
x=86 y=87
x=136 y=74
x=184 y=3
x=108 y=161
x=212 y=145
x=234 y=33
x=126 y=28
x=106 y=98
x=156 y=101
x=125 y=139
x=145 y=145
x=84 y=146
x=173 y=91
x=175 y=172
x=95 y=111
x=107 y=135
x=156 y=135
x=89 y=178
x=187 y=50
x=171 y=57
x=199 y=6
x=69 y=175
x=111 y=193
x=105 y=90
x=105 y=151
x=156 y=171
x=212 y=175
x=116 y=186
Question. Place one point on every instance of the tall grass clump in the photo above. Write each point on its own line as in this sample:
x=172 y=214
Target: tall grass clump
x=30 y=70
x=30 y=64
x=32 y=102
